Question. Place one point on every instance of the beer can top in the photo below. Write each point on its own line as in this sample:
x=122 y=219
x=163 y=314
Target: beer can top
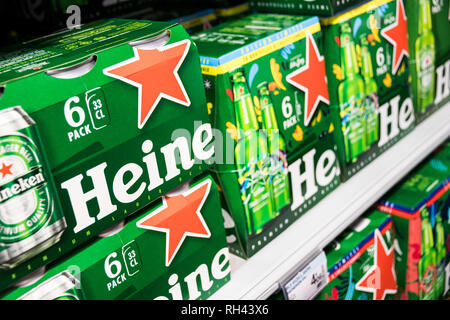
x=152 y=43
x=13 y=119
x=31 y=278
x=113 y=230
x=178 y=190
x=53 y=288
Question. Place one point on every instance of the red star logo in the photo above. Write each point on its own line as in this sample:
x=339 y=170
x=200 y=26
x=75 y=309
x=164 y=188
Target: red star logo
x=397 y=35
x=311 y=79
x=179 y=217
x=155 y=73
x=5 y=170
x=380 y=279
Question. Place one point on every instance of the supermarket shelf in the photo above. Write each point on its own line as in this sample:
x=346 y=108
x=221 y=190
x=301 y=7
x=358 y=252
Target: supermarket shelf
x=259 y=276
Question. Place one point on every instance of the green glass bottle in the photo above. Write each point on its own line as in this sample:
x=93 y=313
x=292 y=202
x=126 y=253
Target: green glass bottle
x=440 y=257
x=371 y=118
x=251 y=157
x=427 y=262
x=277 y=151
x=425 y=58
x=351 y=98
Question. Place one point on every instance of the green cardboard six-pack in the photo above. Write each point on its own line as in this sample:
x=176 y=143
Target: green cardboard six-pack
x=366 y=57
x=429 y=59
x=96 y=124
x=271 y=120
x=147 y=257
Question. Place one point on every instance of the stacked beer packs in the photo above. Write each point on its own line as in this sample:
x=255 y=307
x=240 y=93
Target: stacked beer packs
x=96 y=125
x=272 y=122
x=361 y=261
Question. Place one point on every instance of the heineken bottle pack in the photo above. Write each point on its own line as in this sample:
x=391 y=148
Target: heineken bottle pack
x=366 y=58
x=420 y=211
x=175 y=249
x=305 y=7
x=361 y=261
x=96 y=124
x=429 y=59
x=271 y=121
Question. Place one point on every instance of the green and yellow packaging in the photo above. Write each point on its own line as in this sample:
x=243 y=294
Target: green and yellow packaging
x=271 y=121
x=366 y=58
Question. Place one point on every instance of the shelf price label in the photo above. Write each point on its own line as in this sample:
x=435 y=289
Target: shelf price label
x=306 y=283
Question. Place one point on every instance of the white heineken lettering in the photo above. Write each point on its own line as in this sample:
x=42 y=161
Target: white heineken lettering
x=391 y=122
x=79 y=198
x=220 y=268
x=406 y=117
x=178 y=149
x=199 y=144
x=326 y=169
x=442 y=82
x=120 y=188
x=191 y=280
x=323 y=172
x=152 y=166
x=20 y=185
x=169 y=152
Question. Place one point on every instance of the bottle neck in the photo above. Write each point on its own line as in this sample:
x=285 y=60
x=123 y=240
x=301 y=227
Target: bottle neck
x=245 y=113
x=427 y=234
x=348 y=57
x=424 y=16
x=440 y=237
x=366 y=61
x=268 y=113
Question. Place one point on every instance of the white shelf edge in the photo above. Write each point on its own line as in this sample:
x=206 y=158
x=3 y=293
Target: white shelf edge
x=258 y=277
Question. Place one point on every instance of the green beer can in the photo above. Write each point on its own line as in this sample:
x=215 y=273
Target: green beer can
x=63 y=286
x=30 y=216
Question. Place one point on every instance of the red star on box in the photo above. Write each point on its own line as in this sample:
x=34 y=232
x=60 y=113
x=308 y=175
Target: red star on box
x=155 y=73
x=179 y=217
x=311 y=79
x=397 y=35
x=5 y=170
x=380 y=279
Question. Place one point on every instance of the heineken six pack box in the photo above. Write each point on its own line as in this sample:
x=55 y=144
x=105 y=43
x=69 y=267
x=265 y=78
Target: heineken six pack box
x=361 y=261
x=272 y=122
x=429 y=60
x=366 y=58
x=96 y=123
x=306 y=7
x=420 y=211
x=176 y=249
